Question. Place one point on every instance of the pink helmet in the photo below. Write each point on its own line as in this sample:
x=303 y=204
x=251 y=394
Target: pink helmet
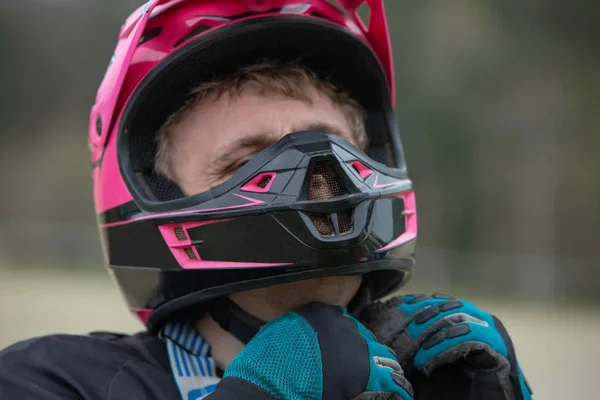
x=169 y=252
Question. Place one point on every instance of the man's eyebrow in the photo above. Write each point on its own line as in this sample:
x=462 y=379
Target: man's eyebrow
x=257 y=141
x=262 y=139
x=328 y=128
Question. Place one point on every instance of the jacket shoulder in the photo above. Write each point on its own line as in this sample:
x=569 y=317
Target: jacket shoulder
x=75 y=366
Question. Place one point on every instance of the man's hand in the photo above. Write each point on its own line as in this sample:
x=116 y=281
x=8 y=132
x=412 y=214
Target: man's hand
x=449 y=348
x=315 y=352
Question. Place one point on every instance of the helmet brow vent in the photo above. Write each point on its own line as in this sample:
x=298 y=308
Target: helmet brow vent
x=264 y=181
x=150 y=34
x=190 y=253
x=194 y=32
x=180 y=234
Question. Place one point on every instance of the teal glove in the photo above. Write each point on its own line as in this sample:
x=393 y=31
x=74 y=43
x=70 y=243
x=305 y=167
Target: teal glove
x=315 y=352
x=448 y=347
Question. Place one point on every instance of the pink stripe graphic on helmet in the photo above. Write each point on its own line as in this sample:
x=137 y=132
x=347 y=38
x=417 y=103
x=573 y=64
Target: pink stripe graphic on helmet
x=410 y=215
x=178 y=239
x=110 y=190
x=178 y=213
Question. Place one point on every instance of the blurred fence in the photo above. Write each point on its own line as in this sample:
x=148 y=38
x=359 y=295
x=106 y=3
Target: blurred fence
x=531 y=276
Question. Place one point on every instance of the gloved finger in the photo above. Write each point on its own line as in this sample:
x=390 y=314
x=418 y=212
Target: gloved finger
x=473 y=311
x=432 y=319
x=455 y=342
x=389 y=324
x=391 y=318
x=386 y=319
x=387 y=375
x=413 y=303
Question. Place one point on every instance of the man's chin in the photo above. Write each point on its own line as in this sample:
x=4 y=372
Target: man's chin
x=273 y=301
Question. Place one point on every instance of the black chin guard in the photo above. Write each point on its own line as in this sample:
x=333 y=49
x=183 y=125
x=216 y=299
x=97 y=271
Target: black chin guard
x=311 y=205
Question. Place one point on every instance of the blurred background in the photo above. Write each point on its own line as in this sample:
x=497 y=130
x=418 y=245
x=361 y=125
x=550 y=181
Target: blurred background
x=499 y=104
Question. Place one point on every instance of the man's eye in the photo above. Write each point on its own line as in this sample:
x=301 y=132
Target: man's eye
x=233 y=167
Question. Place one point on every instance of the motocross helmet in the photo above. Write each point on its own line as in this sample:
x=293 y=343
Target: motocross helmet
x=170 y=252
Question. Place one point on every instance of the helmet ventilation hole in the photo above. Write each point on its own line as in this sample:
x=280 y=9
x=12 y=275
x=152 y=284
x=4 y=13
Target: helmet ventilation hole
x=323 y=224
x=190 y=253
x=264 y=181
x=180 y=234
x=345 y=222
x=324 y=183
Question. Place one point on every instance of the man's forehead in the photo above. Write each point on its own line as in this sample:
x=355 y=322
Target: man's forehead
x=254 y=120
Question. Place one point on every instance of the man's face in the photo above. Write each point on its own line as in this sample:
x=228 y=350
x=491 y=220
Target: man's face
x=220 y=134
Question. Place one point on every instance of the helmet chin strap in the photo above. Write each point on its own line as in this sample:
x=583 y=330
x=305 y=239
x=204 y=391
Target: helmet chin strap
x=234 y=320
x=244 y=326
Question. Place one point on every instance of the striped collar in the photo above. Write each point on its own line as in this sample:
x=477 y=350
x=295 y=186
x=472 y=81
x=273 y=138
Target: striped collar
x=194 y=372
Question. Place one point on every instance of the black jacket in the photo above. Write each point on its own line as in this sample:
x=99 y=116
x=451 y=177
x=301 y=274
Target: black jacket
x=101 y=366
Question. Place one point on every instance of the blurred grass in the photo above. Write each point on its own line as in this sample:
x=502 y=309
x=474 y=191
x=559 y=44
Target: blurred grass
x=557 y=345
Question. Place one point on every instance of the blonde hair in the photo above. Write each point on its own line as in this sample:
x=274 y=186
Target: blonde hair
x=290 y=80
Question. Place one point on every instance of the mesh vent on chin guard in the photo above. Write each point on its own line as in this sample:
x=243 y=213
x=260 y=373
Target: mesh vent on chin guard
x=324 y=183
x=345 y=222
x=323 y=224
